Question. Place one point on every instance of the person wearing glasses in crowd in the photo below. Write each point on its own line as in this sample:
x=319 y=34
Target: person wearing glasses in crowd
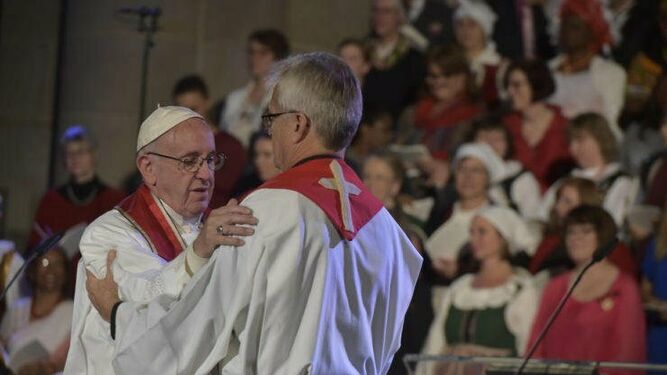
x=160 y=233
x=322 y=286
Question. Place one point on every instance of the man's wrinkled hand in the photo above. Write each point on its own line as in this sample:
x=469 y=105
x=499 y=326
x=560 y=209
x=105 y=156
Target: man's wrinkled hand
x=224 y=226
x=103 y=293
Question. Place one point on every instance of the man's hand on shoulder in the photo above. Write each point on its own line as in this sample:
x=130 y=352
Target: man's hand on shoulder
x=103 y=293
x=224 y=226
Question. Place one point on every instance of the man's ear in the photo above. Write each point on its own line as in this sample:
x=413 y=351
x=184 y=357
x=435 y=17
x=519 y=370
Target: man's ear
x=147 y=169
x=301 y=127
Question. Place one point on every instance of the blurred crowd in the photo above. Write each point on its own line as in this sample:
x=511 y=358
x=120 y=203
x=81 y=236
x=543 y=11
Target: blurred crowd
x=511 y=139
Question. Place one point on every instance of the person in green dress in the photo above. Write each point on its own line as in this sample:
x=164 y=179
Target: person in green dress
x=488 y=312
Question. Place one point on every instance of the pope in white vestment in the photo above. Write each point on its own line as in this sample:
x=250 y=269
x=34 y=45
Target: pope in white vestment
x=141 y=275
x=155 y=245
x=322 y=287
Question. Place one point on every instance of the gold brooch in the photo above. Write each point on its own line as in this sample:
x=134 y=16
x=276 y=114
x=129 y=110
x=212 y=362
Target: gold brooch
x=607 y=304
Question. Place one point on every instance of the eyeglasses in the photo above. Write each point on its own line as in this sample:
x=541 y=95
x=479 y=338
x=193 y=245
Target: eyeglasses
x=192 y=163
x=267 y=119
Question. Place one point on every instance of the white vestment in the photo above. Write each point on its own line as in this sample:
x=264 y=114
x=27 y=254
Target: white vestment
x=141 y=276
x=296 y=298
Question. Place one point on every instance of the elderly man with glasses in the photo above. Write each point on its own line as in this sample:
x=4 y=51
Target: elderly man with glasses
x=160 y=234
x=321 y=287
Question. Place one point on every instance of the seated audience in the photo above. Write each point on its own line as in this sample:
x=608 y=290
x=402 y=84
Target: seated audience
x=642 y=55
x=79 y=201
x=444 y=115
x=356 y=56
x=539 y=130
x=243 y=107
x=489 y=312
x=397 y=67
x=475 y=166
x=603 y=320
x=654 y=290
x=36 y=330
x=374 y=134
x=595 y=151
x=473 y=26
x=10 y=264
x=642 y=138
x=263 y=167
x=585 y=81
x=515 y=187
x=522 y=29
x=432 y=19
x=383 y=174
x=192 y=92
x=654 y=172
x=570 y=194
x=551 y=259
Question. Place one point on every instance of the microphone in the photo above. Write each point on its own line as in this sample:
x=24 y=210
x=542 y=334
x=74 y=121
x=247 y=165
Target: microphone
x=141 y=11
x=37 y=252
x=604 y=250
x=600 y=253
x=47 y=244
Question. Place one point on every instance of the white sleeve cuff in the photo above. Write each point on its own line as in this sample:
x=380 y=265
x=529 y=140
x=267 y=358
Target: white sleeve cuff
x=193 y=262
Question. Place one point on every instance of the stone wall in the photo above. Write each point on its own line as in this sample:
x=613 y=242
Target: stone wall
x=101 y=73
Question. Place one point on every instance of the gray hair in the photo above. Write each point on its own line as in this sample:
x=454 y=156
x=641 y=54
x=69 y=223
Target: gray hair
x=323 y=87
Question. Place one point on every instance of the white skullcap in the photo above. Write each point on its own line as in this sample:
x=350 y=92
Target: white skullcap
x=161 y=121
x=512 y=228
x=484 y=153
x=478 y=11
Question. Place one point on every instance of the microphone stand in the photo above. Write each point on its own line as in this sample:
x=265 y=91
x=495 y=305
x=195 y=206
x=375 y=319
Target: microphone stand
x=148 y=25
x=598 y=256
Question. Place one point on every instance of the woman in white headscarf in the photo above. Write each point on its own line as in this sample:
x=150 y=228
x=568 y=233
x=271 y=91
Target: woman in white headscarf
x=489 y=312
x=475 y=167
x=473 y=26
x=516 y=186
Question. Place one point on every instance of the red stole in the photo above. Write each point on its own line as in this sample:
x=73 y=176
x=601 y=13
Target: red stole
x=334 y=187
x=144 y=212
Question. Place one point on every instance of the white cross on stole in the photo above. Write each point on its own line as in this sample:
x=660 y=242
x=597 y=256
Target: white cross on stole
x=345 y=189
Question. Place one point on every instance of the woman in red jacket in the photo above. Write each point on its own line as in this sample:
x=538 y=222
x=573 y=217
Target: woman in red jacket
x=445 y=114
x=603 y=320
x=539 y=130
